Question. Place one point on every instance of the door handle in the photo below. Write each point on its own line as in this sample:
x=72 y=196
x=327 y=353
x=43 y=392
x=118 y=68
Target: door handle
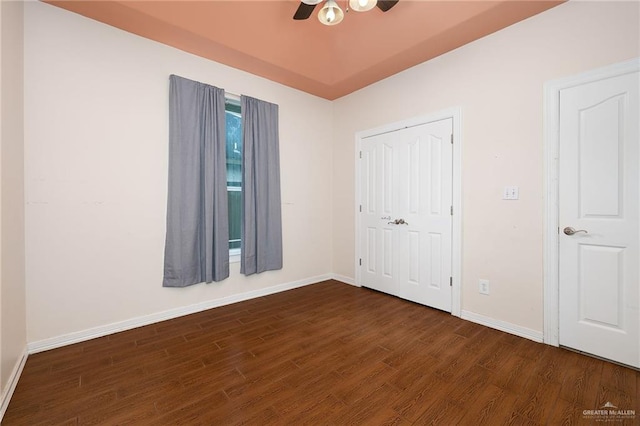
x=570 y=231
x=398 y=222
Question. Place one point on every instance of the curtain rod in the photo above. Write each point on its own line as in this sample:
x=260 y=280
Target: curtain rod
x=232 y=96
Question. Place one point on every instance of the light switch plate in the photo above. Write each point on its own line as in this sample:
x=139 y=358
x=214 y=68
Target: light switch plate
x=511 y=193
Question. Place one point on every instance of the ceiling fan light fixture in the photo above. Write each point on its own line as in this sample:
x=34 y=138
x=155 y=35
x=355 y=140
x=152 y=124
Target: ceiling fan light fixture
x=330 y=14
x=311 y=2
x=362 y=5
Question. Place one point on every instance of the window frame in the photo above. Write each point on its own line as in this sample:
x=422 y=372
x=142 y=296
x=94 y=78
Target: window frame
x=234 y=253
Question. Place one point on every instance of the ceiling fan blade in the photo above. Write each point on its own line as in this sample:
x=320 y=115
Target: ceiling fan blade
x=304 y=11
x=385 y=5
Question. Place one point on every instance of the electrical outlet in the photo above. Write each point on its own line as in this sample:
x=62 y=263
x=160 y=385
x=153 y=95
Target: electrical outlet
x=483 y=287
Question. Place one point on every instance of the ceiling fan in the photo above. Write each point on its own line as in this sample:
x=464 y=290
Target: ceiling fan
x=331 y=14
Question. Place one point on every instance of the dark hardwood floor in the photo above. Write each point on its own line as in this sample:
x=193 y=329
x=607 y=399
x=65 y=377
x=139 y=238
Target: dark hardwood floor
x=325 y=354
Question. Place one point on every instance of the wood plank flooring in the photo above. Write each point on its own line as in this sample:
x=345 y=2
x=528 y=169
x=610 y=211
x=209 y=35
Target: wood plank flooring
x=325 y=354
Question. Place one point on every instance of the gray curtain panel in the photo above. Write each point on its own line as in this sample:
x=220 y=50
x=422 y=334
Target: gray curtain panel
x=197 y=244
x=261 y=206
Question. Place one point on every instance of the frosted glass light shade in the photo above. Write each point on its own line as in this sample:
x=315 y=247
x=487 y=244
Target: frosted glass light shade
x=311 y=2
x=330 y=14
x=362 y=5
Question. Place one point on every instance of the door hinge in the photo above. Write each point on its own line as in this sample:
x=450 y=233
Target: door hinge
x=360 y=154
x=360 y=262
x=360 y=208
x=451 y=210
x=450 y=281
x=452 y=138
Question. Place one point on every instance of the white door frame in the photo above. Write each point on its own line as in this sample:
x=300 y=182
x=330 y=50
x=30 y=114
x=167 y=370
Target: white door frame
x=551 y=146
x=456 y=237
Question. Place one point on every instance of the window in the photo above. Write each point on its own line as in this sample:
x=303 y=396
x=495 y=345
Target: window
x=234 y=172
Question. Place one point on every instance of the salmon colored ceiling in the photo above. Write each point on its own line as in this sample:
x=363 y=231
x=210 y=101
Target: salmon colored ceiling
x=262 y=38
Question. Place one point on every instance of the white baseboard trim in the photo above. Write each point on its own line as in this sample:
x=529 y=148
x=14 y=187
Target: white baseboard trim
x=7 y=393
x=344 y=279
x=92 y=333
x=507 y=327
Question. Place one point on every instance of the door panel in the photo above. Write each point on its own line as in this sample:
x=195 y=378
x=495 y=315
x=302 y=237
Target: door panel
x=388 y=179
x=600 y=158
x=412 y=171
x=599 y=270
x=600 y=279
x=377 y=239
x=435 y=175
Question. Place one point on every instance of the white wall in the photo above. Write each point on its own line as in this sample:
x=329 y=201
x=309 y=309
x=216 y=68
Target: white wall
x=96 y=134
x=498 y=82
x=13 y=338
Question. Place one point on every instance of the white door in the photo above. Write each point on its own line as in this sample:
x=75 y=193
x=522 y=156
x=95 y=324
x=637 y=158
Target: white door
x=406 y=225
x=599 y=265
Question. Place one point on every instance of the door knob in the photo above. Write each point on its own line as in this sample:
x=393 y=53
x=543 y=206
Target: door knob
x=570 y=231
